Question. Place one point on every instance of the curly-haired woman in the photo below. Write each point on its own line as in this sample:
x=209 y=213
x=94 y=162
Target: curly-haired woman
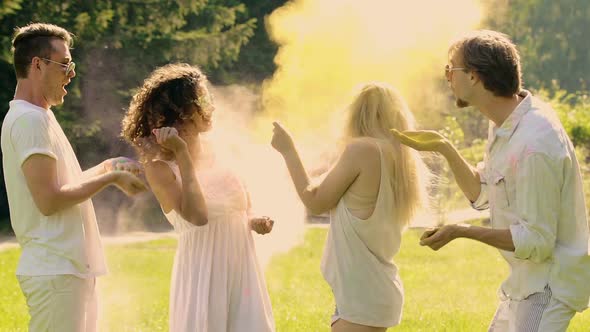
x=217 y=284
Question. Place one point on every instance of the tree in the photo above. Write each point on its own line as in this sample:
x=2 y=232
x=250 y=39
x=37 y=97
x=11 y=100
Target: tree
x=118 y=43
x=552 y=37
x=256 y=59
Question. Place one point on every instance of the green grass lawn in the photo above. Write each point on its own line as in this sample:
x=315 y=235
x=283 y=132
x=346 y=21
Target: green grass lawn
x=450 y=290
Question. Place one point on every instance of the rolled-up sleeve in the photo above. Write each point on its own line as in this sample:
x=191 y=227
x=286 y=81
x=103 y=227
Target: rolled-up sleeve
x=481 y=203
x=538 y=200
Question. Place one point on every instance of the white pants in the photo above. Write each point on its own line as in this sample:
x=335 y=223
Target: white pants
x=539 y=312
x=60 y=303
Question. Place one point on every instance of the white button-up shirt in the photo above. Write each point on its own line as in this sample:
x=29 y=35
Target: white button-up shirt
x=532 y=184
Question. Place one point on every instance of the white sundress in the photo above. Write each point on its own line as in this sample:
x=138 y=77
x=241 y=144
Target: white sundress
x=217 y=284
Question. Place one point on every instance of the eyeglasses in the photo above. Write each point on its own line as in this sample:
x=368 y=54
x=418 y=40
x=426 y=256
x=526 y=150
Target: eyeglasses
x=449 y=70
x=70 y=66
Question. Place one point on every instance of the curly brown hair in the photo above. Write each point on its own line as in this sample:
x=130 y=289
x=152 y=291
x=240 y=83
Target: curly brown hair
x=165 y=99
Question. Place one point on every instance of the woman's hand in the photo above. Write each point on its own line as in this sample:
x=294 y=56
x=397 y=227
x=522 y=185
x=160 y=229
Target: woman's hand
x=422 y=140
x=261 y=225
x=169 y=139
x=281 y=139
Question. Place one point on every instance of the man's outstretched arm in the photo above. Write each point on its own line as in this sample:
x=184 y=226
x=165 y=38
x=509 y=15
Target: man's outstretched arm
x=40 y=172
x=438 y=238
x=113 y=164
x=466 y=175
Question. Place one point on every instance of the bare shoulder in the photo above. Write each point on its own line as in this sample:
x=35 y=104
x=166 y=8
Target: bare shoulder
x=362 y=147
x=361 y=153
x=158 y=173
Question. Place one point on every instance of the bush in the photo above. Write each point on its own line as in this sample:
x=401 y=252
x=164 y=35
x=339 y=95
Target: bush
x=573 y=110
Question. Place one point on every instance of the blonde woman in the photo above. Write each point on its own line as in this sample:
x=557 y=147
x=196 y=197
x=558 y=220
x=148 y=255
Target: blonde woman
x=217 y=284
x=372 y=192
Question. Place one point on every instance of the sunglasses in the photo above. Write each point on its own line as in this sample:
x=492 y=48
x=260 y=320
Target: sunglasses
x=449 y=70
x=70 y=66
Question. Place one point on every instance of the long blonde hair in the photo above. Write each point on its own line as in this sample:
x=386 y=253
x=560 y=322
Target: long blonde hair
x=375 y=110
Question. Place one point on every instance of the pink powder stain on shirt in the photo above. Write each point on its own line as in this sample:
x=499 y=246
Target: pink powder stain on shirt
x=513 y=161
x=529 y=151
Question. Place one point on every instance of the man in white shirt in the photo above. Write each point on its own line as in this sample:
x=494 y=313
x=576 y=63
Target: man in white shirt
x=48 y=194
x=531 y=182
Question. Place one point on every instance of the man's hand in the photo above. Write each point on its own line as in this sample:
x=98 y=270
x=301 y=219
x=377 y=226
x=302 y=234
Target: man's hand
x=122 y=164
x=261 y=225
x=129 y=183
x=422 y=140
x=438 y=237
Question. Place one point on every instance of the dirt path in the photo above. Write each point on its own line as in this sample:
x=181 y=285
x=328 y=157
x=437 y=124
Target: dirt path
x=428 y=220
x=7 y=242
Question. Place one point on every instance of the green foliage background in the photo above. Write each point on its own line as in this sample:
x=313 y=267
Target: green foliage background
x=119 y=42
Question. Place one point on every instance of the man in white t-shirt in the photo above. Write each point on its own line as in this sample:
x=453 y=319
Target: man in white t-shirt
x=530 y=180
x=48 y=194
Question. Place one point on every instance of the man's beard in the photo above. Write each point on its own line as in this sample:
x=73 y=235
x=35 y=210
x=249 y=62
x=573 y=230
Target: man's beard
x=461 y=103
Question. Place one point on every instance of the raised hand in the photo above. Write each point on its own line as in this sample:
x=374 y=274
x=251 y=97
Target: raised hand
x=168 y=138
x=281 y=139
x=129 y=183
x=122 y=164
x=422 y=140
x=261 y=225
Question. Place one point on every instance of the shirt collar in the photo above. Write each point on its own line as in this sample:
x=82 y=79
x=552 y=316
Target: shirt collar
x=509 y=125
x=28 y=104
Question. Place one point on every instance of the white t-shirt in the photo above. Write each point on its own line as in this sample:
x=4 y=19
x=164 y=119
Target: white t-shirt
x=67 y=242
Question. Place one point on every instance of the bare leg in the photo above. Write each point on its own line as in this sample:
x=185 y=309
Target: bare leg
x=345 y=326
x=92 y=306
